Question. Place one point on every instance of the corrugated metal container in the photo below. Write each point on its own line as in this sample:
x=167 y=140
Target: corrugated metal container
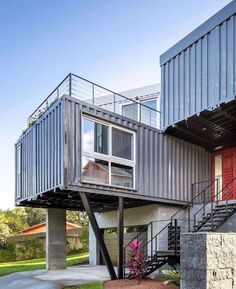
x=198 y=73
x=165 y=166
x=50 y=156
x=39 y=154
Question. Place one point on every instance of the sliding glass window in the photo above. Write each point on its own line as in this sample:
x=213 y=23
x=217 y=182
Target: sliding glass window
x=108 y=154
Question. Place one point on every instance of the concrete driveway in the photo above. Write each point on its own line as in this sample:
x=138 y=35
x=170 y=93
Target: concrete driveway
x=54 y=279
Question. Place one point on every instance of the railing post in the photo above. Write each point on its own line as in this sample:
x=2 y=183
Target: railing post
x=175 y=236
x=189 y=216
x=212 y=215
x=204 y=203
x=217 y=191
x=93 y=99
x=192 y=194
x=139 y=116
x=194 y=222
x=70 y=84
x=114 y=102
x=151 y=239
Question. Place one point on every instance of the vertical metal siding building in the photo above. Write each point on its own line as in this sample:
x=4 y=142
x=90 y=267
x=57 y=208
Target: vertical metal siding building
x=199 y=72
x=51 y=157
x=41 y=154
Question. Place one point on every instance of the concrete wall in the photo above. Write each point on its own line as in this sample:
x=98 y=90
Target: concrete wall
x=56 y=239
x=208 y=261
x=135 y=216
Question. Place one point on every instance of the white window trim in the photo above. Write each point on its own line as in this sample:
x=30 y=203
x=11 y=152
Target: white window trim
x=109 y=157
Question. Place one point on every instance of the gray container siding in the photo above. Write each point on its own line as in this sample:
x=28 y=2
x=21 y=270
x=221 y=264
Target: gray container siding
x=199 y=72
x=41 y=154
x=165 y=166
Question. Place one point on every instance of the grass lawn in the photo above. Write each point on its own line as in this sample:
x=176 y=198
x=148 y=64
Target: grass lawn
x=95 y=285
x=36 y=264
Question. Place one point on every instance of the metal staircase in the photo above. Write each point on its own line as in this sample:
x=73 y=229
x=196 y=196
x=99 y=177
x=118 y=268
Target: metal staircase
x=209 y=208
x=215 y=219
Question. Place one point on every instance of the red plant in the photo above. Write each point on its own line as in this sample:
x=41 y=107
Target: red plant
x=136 y=263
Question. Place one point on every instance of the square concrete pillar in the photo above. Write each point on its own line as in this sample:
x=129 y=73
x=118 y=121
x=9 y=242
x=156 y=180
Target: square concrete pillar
x=208 y=261
x=56 y=239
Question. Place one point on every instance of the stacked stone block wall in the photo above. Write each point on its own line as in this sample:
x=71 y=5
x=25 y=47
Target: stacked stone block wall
x=208 y=261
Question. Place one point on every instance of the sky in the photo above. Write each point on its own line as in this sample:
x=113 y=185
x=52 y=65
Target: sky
x=115 y=43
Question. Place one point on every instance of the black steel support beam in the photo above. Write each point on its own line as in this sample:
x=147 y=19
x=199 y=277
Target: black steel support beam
x=120 y=213
x=98 y=235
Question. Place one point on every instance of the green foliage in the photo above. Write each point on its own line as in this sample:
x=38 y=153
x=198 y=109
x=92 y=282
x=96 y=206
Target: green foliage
x=15 y=220
x=35 y=216
x=4 y=228
x=76 y=217
x=171 y=275
x=36 y=264
x=23 y=251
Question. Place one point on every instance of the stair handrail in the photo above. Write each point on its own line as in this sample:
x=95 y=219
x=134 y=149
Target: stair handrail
x=144 y=229
x=173 y=219
x=222 y=190
x=145 y=245
x=214 y=199
x=190 y=203
x=206 y=201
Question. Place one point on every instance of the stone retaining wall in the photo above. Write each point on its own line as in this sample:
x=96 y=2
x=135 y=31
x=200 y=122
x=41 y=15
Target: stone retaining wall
x=208 y=261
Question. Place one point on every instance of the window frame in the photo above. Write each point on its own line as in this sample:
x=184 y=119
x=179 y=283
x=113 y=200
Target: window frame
x=109 y=157
x=139 y=105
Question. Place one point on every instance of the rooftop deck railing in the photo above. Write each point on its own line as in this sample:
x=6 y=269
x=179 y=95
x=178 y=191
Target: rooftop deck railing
x=95 y=94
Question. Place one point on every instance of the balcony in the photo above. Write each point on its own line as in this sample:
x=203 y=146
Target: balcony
x=89 y=92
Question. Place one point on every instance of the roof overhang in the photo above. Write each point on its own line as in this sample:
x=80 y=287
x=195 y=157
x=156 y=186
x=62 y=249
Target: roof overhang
x=210 y=129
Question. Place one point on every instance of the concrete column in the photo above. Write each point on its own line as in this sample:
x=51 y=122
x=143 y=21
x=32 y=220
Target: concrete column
x=55 y=239
x=208 y=261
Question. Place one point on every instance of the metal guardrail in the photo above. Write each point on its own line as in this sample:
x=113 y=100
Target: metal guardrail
x=213 y=196
x=92 y=93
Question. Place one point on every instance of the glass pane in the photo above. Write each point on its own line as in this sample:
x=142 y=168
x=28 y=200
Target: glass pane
x=121 y=175
x=95 y=137
x=122 y=144
x=95 y=170
x=149 y=116
x=130 y=110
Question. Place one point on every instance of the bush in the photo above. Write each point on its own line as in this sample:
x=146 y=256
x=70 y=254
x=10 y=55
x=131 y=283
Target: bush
x=136 y=262
x=27 y=250
x=171 y=275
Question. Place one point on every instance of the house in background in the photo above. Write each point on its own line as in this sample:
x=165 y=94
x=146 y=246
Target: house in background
x=89 y=148
x=31 y=243
x=41 y=228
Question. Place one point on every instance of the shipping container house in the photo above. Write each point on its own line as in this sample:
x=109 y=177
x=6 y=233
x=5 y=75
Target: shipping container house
x=172 y=170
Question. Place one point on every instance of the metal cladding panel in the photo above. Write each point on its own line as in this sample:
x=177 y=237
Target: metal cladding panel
x=200 y=73
x=41 y=155
x=166 y=167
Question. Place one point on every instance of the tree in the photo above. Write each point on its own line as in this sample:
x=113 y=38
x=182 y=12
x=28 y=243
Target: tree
x=35 y=216
x=16 y=220
x=76 y=217
x=4 y=228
